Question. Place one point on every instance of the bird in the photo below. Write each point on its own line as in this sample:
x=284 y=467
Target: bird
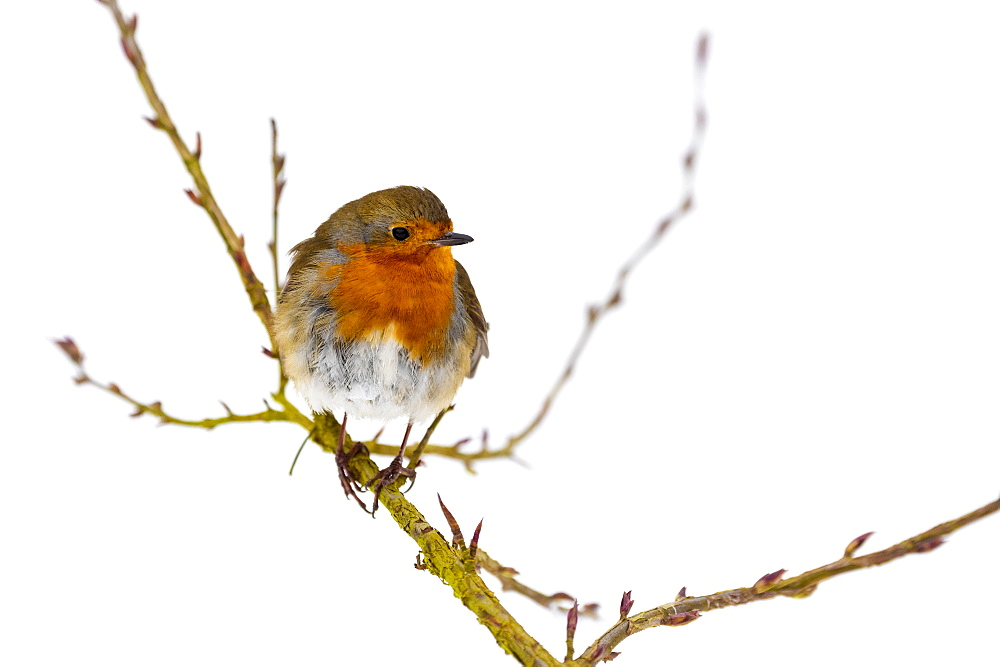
x=376 y=319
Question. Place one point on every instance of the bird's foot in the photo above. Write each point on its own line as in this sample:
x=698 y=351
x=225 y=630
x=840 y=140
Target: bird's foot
x=347 y=482
x=387 y=476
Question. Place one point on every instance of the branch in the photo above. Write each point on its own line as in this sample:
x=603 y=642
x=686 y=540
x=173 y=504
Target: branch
x=202 y=194
x=289 y=413
x=277 y=169
x=686 y=609
x=453 y=563
x=508 y=582
x=596 y=313
x=277 y=173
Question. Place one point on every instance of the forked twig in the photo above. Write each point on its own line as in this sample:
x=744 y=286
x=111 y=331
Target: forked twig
x=455 y=563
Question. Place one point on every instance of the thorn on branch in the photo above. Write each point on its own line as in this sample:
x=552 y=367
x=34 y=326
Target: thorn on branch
x=457 y=542
x=156 y=123
x=420 y=565
x=193 y=197
x=474 y=545
x=226 y=408
x=114 y=389
x=681 y=594
x=197 y=145
x=856 y=544
x=267 y=352
x=626 y=605
x=70 y=349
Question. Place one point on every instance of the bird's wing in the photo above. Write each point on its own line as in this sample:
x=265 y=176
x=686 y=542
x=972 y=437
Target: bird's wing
x=467 y=293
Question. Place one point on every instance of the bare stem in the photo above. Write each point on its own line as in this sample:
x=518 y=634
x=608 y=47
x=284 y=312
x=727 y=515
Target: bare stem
x=686 y=609
x=422 y=446
x=277 y=168
x=596 y=313
x=202 y=193
x=277 y=173
x=289 y=413
x=509 y=582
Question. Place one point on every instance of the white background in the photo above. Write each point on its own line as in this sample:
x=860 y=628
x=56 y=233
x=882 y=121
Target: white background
x=811 y=355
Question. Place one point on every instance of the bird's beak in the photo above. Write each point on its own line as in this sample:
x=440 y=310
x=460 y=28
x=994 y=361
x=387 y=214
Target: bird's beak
x=451 y=238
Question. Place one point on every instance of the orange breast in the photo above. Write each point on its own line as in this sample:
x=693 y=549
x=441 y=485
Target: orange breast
x=411 y=292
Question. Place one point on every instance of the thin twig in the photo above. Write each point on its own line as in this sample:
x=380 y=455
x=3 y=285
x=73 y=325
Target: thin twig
x=277 y=169
x=509 y=582
x=596 y=313
x=277 y=173
x=686 y=609
x=289 y=413
x=422 y=446
x=202 y=193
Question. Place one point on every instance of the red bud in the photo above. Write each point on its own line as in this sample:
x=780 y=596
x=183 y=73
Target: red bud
x=856 y=544
x=768 y=580
x=928 y=545
x=626 y=605
x=70 y=349
x=678 y=620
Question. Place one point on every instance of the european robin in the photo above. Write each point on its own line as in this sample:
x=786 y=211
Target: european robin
x=377 y=320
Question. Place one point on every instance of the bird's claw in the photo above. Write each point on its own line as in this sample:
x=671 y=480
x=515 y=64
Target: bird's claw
x=347 y=482
x=387 y=476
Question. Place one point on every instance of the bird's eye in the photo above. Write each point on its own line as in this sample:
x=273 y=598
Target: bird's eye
x=400 y=233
